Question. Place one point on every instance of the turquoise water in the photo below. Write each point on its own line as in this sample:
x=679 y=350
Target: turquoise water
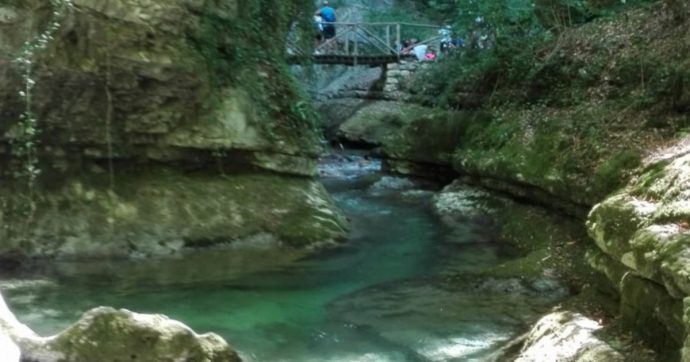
x=384 y=296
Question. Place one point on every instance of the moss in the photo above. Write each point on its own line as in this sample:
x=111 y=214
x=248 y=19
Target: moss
x=548 y=245
x=654 y=316
x=650 y=175
x=529 y=266
x=613 y=173
x=105 y=334
x=433 y=137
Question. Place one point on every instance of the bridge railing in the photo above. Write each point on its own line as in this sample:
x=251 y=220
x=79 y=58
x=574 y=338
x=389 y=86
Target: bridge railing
x=358 y=40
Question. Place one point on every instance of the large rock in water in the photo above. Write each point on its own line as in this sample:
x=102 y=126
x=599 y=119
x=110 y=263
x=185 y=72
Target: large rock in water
x=376 y=122
x=159 y=125
x=643 y=232
x=104 y=334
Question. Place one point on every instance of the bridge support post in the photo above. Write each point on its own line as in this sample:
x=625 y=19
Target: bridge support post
x=347 y=41
x=356 y=50
x=397 y=38
x=388 y=36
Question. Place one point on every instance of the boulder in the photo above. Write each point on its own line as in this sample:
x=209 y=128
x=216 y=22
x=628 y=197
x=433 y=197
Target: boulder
x=377 y=122
x=105 y=334
x=566 y=337
x=108 y=335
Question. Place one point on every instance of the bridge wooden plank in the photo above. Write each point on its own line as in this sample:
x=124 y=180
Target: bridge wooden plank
x=345 y=59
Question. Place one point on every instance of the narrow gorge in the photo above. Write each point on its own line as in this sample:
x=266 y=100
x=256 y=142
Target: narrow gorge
x=198 y=166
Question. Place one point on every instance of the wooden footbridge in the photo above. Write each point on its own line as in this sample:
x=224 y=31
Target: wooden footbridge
x=367 y=43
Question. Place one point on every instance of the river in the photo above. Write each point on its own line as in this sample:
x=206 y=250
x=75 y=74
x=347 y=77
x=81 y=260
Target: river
x=398 y=290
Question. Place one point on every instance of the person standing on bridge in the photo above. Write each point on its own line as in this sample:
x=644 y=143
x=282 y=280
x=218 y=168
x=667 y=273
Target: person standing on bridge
x=327 y=13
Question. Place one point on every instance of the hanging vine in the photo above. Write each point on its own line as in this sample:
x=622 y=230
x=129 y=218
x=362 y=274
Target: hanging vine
x=109 y=108
x=24 y=140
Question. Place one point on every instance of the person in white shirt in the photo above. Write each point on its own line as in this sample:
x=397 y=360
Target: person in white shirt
x=419 y=51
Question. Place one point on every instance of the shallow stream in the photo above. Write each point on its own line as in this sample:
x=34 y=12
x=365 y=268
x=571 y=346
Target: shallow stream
x=399 y=290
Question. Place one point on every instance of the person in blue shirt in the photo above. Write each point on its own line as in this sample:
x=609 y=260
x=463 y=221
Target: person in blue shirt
x=327 y=13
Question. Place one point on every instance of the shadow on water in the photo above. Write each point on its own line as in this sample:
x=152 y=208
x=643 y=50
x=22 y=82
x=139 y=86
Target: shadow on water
x=384 y=296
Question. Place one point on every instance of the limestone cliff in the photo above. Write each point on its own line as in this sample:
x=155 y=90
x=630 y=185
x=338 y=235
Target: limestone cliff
x=142 y=114
x=644 y=249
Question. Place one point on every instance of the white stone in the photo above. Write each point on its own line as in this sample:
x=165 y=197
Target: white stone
x=86 y=340
x=566 y=337
x=9 y=351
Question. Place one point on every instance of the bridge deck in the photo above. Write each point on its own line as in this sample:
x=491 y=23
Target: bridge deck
x=347 y=59
x=364 y=43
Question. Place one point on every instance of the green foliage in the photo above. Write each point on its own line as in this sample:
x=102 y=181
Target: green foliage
x=404 y=12
x=526 y=62
x=24 y=135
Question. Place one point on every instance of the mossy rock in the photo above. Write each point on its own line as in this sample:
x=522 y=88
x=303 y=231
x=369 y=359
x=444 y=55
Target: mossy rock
x=653 y=315
x=109 y=335
x=376 y=122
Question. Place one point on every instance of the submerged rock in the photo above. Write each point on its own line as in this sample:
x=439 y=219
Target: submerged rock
x=566 y=337
x=107 y=335
x=460 y=201
x=391 y=183
x=414 y=315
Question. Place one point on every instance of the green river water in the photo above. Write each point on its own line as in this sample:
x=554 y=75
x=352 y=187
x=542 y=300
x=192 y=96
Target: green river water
x=398 y=290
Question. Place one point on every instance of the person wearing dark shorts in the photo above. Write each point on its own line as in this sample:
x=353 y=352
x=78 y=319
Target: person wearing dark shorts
x=328 y=31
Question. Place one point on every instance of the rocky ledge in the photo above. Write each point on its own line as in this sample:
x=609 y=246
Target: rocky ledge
x=643 y=237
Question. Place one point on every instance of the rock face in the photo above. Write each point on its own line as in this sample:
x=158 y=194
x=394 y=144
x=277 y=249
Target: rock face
x=566 y=337
x=398 y=78
x=149 y=111
x=643 y=233
x=179 y=212
x=105 y=334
